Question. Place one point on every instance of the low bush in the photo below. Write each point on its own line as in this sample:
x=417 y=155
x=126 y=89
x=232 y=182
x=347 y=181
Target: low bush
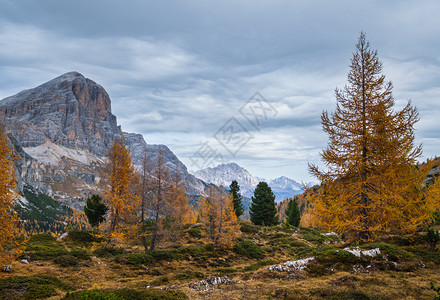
x=84 y=237
x=188 y=274
x=259 y=264
x=160 y=281
x=44 y=247
x=248 y=227
x=108 y=251
x=66 y=261
x=126 y=294
x=333 y=256
x=141 y=258
x=195 y=232
x=390 y=249
x=30 y=287
x=248 y=249
x=224 y=271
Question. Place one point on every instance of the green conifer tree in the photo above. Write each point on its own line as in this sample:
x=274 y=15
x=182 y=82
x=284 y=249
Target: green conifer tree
x=263 y=209
x=235 y=192
x=292 y=212
x=95 y=210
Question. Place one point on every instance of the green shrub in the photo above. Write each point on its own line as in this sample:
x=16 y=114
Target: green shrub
x=140 y=258
x=225 y=271
x=188 y=274
x=108 y=251
x=389 y=249
x=80 y=254
x=194 y=250
x=248 y=249
x=248 y=227
x=160 y=281
x=44 y=247
x=165 y=255
x=316 y=270
x=66 y=261
x=350 y=295
x=195 y=232
x=259 y=264
x=332 y=256
x=41 y=238
x=84 y=237
x=30 y=287
x=425 y=255
x=126 y=294
x=432 y=237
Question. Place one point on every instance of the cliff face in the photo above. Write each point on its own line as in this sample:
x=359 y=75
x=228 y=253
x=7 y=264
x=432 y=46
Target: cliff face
x=70 y=110
x=63 y=129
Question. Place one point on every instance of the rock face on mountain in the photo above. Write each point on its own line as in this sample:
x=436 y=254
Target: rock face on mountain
x=138 y=146
x=63 y=129
x=70 y=110
x=283 y=187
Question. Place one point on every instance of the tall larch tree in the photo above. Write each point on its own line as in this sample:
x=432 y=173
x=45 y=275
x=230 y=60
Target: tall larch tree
x=370 y=185
x=217 y=213
x=263 y=210
x=121 y=198
x=234 y=190
x=159 y=203
x=9 y=221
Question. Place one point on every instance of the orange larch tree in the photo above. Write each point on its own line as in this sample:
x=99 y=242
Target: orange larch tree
x=121 y=197
x=166 y=203
x=9 y=221
x=371 y=185
x=217 y=214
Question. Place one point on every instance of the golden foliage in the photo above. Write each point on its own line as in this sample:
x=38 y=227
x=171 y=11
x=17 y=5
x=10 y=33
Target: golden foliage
x=372 y=185
x=9 y=248
x=164 y=199
x=120 y=197
x=217 y=214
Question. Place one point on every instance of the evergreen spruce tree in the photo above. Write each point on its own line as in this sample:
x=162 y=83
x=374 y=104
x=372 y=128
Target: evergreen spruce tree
x=263 y=209
x=95 y=210
x=235 y=192
x=292 y=212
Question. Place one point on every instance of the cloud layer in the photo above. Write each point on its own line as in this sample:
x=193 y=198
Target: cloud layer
x=177 y=71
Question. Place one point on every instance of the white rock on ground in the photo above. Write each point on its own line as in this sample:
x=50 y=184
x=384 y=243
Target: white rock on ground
x=292 y=265
x=358 y=252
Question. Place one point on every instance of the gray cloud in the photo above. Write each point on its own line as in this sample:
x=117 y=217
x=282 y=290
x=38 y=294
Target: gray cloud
x=178 y=70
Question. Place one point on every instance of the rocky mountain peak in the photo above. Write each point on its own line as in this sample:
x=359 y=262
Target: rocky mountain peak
x=70 y=110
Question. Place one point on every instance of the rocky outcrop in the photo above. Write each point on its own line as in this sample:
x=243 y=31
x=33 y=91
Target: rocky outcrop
x=70 y=110
x=62 y=131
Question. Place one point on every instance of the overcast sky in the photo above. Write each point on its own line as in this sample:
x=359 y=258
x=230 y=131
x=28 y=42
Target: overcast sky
x=182 y=72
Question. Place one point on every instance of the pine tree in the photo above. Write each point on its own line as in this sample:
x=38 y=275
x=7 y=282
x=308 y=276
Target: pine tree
x=95 y=210
x=371 y=185
x=121 y=198
x=217 y=213
x=263 y=209
x=9 y=248
x=235 y=192
x=292 y=212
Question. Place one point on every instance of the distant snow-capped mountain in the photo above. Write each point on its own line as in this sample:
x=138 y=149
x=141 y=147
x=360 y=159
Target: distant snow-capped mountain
x=283 y=187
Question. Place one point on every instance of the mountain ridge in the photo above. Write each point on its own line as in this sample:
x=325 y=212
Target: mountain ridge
x=223 y=174
x=62 y=130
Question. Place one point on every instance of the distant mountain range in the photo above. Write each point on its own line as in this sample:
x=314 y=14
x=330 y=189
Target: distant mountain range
x=283 y=187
